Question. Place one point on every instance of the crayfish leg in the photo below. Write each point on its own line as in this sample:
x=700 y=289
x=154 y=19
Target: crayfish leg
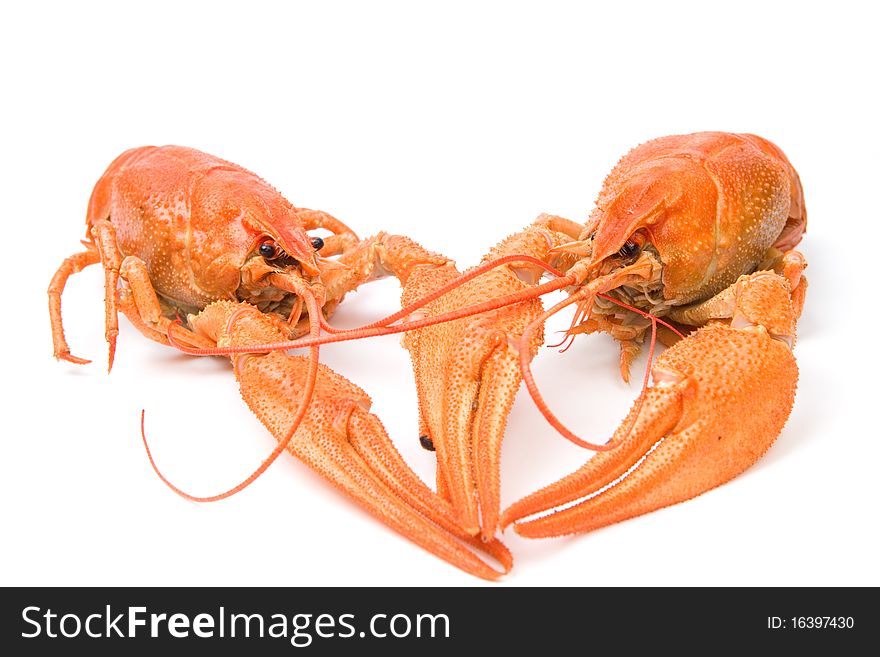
x=71 y=265
x=105 y=239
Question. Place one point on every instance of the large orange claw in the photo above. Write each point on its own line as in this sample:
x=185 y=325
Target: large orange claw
x=467 y=370
x=341 y=440
x=720 y=398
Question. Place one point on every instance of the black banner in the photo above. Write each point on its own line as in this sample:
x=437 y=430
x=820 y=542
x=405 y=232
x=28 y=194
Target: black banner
x=428 y=621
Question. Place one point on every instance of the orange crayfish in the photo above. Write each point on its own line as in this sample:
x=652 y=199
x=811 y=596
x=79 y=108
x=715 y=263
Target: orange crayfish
x=696 y=229
x=182 y=233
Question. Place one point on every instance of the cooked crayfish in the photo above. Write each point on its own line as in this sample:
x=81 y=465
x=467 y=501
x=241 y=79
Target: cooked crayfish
x=178 y=231
x=698 y=229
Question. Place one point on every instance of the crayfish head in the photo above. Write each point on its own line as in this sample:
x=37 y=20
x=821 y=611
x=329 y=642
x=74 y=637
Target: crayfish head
x=273 y=280
x=634 y=272
x=619 y=293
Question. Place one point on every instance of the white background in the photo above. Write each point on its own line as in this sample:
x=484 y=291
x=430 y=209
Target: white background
x=456 y=124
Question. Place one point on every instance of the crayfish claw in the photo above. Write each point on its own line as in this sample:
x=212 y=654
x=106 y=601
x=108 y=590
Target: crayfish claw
x=720 y=398
x=341 y=440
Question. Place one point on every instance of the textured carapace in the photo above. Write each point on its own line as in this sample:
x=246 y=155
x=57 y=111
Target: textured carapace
x=712 y=204
x=196 y=220
x=183 y=229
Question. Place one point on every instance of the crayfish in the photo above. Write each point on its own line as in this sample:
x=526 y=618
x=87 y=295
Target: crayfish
x=182 y=233
x=688 y=231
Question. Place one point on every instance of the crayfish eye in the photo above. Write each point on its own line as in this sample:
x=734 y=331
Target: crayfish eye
x=628 y=249
x=317 y=243
x=268 y=250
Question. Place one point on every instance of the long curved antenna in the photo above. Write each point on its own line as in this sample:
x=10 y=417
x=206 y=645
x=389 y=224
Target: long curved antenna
x=373 y=330
x=311 y=378
x=459 y=280
x=584 y=298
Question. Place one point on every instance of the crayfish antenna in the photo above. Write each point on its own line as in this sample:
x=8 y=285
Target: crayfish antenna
x=462 y=279
x=569 y=334
x=381 y=327
x=305 y=400
x=585 y=299
x=583 y=296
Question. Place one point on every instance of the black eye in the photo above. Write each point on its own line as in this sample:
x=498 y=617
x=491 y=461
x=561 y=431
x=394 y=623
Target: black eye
x=628 y=249
x=268 y=250
x=317 y=243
